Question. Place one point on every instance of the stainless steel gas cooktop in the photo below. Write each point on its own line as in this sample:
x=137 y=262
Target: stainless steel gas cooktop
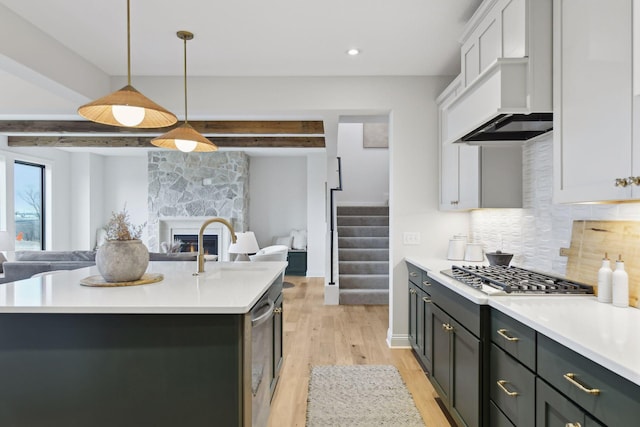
x=510 y=280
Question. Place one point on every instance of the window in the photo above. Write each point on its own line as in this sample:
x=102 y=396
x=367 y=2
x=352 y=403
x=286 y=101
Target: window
x=29 y=205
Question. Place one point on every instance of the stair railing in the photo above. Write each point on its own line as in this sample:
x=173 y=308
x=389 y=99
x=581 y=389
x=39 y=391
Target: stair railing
x=333 y=219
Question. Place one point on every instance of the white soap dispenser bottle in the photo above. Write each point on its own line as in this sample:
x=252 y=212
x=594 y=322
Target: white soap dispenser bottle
x=604 y=280
x=620 y=285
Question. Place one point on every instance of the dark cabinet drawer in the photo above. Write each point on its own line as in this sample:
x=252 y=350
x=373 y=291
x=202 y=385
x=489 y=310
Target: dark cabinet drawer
x=464 y=311
x=497 y=418
x=555 y=410
x=415 y=274
x=613 y=400
x=512 y=388
x=515 y=338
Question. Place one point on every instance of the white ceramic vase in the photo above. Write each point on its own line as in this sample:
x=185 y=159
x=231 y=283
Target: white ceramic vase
x=122 y=260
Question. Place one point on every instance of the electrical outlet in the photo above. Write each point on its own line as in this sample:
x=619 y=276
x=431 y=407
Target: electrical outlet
x=411 y=238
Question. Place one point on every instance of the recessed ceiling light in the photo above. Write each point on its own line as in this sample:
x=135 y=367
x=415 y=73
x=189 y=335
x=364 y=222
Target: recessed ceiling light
x=353 y=52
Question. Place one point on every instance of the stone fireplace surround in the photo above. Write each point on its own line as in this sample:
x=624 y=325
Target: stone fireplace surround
x=185 y=189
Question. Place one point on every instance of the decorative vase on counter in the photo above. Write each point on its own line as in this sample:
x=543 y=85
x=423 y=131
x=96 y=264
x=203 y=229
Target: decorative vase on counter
x=123 y=257
x=122 y=260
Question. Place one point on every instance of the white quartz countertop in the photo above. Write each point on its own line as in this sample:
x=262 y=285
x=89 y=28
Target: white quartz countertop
x=603 y=333
x=224 y=288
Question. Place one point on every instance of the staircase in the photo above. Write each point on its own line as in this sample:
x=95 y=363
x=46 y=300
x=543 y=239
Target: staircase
x=363 y=254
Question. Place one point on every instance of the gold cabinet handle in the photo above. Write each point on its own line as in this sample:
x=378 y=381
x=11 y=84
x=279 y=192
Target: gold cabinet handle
x=426 y=283
x=572 y=379
x=447 y=327
x=622 y=182
x=413 y=274
x=412 y=291
x=425 y=299
x=576 y=424
x=501 y=384
x=277 y=310
x=503 y=334
x=635 y=180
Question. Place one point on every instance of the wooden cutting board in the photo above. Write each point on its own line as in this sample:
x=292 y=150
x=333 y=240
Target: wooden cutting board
x=589 y=242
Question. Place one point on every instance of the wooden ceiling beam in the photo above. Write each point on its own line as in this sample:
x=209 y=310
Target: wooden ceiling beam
x=145 y=142
x=205 y=127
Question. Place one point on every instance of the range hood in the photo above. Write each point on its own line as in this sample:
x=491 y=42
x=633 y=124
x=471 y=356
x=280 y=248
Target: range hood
x=511 y=101
x=511 y=127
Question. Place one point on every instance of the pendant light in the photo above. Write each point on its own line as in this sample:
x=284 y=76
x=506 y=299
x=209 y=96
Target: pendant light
x=185 y=137
x=127 y=107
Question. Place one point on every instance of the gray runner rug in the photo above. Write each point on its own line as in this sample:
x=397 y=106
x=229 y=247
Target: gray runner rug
x=360 y=395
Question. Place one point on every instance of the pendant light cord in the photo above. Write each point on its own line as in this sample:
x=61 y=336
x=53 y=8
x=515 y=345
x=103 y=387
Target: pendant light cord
x=185 y=81
x=128 y=45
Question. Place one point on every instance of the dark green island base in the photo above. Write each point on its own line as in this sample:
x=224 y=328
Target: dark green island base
x=106 y=370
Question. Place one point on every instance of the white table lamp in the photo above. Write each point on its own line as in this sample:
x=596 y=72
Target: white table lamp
x=245 y=244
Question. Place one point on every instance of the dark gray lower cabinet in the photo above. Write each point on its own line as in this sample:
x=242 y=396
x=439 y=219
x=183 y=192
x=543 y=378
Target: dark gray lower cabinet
x=555 y=410
x=419 y=324
x=457 y=356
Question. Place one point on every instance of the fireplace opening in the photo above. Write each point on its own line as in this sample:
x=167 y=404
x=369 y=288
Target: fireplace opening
x=190 y=243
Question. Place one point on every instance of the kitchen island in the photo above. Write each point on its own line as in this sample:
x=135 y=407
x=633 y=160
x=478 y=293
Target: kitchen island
x=177 y=352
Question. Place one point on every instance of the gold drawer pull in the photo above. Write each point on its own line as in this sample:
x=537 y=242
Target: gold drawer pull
x=413 y=274
x=425 y=299
x=501 y=384
x=412 y=291
x=426 y=283
x=573 y=425
x=277 y=310
x=572 y=379
x=503 y=333
x=447 y=327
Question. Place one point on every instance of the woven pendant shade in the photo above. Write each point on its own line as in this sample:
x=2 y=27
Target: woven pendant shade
x=185 y=137
x=184 y=132
x=100 y=111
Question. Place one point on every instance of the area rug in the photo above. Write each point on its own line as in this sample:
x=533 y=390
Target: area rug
x=360 y=395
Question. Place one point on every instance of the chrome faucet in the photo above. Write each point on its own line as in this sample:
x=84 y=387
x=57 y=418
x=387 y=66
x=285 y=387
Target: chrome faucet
x=200 y=257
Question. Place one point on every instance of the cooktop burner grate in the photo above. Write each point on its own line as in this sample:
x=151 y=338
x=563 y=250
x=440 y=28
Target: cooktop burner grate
x=516 y=280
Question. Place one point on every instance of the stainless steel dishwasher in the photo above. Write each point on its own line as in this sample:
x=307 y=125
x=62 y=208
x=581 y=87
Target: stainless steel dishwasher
x=262 y=342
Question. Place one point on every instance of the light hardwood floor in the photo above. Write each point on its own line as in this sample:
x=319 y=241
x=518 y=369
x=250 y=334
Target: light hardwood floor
x=316 y=334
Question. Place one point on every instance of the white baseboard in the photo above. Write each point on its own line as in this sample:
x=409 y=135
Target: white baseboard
x=398 y=341
x=331 y=294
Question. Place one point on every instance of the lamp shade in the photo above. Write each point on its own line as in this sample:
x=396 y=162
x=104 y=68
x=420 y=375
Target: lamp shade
x=7 y=241
x=184 y=132
x=101 y=110
x=246 y=243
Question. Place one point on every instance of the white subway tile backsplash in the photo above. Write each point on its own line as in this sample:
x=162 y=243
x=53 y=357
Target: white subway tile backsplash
x=536 y=233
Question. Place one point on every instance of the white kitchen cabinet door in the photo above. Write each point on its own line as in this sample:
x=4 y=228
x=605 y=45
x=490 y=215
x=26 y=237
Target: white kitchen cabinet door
x=449 y=183
x=593 y=98
x=459 y=177
x=469 y=177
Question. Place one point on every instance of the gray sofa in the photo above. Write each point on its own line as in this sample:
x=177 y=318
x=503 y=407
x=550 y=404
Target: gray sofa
x=28 y=263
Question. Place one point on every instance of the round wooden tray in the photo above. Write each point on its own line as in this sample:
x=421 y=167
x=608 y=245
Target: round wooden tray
x=98 y=281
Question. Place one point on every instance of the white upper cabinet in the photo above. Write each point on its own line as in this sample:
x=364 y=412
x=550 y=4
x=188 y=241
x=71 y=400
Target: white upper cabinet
x=594 y=143
x=506 y=65
x=476 y=177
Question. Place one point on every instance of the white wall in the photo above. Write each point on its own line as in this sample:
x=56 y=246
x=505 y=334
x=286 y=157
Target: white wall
x=365 y=171
x=277 y=196
x=126 y=181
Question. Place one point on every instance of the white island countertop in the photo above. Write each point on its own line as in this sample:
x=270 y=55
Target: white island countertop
x=224 y=288
x=603 y=333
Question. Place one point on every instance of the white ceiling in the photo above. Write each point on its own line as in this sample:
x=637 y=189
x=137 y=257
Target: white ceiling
x=232 y=38
x=259 y=37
